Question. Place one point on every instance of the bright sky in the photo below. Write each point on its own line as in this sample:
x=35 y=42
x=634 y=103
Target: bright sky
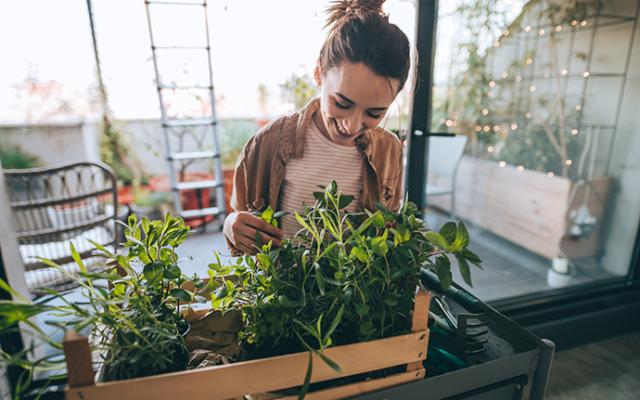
x=254 y=42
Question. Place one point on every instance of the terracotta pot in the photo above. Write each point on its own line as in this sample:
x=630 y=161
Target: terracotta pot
x=191 y=199
x=125 y=195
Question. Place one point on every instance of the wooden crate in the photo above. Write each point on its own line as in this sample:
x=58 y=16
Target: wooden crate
x=266 y=374
x=528 y=208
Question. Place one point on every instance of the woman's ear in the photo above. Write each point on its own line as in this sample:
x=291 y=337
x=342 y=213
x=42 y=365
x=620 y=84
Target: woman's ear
x=317 y=74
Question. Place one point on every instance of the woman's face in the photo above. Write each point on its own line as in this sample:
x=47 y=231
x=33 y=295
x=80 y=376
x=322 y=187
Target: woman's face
x=352 y=99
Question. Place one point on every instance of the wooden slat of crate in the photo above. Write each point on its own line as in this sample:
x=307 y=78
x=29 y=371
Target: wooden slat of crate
x=358 y=388
x=264 y=375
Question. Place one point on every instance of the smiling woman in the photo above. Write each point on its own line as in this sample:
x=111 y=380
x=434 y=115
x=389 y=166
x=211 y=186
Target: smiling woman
x=362 y=66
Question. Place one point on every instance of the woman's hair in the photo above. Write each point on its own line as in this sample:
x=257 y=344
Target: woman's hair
x=361 y=33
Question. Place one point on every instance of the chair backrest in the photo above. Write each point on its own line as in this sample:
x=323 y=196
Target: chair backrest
x=53 y=207
x=445 y=153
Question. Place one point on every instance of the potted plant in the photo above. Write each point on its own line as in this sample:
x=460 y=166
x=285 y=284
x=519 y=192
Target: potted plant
x=361 y=270
x=148 y=204
x=136 y=320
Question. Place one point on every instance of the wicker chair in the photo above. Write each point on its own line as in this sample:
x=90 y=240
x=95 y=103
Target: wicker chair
x=54 y=207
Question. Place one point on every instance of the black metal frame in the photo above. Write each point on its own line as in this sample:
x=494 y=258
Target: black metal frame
x=569 y=317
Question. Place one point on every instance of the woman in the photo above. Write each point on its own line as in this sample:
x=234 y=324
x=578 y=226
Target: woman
x=363 y=64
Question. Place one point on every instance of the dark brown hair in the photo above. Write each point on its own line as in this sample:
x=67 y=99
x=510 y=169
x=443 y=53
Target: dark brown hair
x=361 y=33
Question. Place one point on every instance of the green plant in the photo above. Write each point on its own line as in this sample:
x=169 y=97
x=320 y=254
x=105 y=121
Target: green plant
x=343 y=278
x=494 y=108
x=137 y=319
x=13 y=157
x=146 y=198
x=298 y=90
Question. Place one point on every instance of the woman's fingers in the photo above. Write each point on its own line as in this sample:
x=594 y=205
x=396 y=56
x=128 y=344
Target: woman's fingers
x=260 y=225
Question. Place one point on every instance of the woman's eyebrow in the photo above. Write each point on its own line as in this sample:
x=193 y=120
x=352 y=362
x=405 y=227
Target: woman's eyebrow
x=345 y=98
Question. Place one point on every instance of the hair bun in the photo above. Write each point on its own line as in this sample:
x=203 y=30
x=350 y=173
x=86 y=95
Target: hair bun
x=343 y=9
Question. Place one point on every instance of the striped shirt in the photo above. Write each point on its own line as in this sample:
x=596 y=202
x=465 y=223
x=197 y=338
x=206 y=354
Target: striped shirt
x=322 y=162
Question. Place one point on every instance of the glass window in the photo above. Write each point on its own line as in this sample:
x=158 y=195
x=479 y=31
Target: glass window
x=544 y=96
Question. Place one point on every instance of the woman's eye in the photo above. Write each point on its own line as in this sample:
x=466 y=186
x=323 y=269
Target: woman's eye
x=340 y=105
x=374 y=116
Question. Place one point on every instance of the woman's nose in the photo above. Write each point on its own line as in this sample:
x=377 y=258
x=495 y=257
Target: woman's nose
x=353 y=125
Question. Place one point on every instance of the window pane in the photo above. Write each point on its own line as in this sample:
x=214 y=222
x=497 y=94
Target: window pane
x=544 y=93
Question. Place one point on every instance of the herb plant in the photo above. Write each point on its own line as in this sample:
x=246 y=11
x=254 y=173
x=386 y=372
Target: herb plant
x=135 y=317
x=343 y=278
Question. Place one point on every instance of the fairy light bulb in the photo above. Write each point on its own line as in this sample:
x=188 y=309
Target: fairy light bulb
x=504 y=75
x=568 y=162
x=449 y=123
x=532 y=88
x=529 y=61
x=520 y=168
x=502 y=164
x=485 y=112
x=518 y=78
x=550 y=174
x=496 y=128
x=527 y=28
x=490 y=149
x=486 y=128
x=478 y=128
x=558 y=28
x=492 y=84
x=586 y=74
x=514 y=127
x=496 y=44
x=528 y=115
x=574 y=22
x=564 y=71
x=583 y=23
x=574 y=131
x=578 y=107
x=541 y=32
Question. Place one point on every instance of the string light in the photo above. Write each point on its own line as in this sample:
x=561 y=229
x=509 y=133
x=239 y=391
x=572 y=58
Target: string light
x=568 y=162
x=449 y=123
x=496 y=128
x=564 y=71
x=528 y=28
x=486 y=128
x=558 y=28
x=541 y=32
x=585 y=74
x=490 y=149
x=514 y=127
x=574 y=131
x=478 y=128
x=496 y=44
x=532 y=88
x=550 y=174
x=578 y=107
x=528 y=115
x=492 y=84
x=529 y=61
x=502 y=164
x=485 y=111
x=505 y=75
x=520 y=168
x=574 y=22
x=518 y=78
x=583 y=23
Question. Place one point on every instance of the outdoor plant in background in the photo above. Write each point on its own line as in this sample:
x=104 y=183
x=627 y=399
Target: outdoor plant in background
x=343 y=278
x=135 y=319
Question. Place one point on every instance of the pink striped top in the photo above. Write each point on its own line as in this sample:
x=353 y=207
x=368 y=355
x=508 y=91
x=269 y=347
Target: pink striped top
x=323 y=161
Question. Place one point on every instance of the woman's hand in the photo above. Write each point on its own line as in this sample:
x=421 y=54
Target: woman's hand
x=241 y=228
